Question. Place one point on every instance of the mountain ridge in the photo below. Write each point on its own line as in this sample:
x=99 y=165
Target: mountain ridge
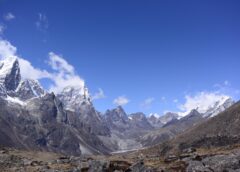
x=70 y=116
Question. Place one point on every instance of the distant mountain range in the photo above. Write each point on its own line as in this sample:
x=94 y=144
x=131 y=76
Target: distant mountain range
x=67 y=122
x=215 y=135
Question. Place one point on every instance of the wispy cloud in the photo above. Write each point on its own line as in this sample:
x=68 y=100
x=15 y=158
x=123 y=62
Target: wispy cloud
x=42 y=22
x=163 y=98
x=58 y=63
x=121 y=101
x=9 y=16
x=147 y=103
x=6 y=49
x=98 y=95
x=226 y=88
x=2 y=28
x=226 y=83
x=175 y=101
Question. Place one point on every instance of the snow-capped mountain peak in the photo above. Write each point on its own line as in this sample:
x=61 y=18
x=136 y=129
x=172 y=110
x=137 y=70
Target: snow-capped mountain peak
x=213 y=108
x=138 y=116
x=155 y=115
x=12 y=87
x=73 y=97
x=10 y=73
x=167 y=117
x=29 y=88
x=153 y=119
x=120 y=111
x=117 y=114
x=6 y=65
x=219 y=106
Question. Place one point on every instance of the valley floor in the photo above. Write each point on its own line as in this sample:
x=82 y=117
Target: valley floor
x=192 y=160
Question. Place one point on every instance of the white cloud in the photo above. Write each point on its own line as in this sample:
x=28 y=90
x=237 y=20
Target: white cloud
x=27 y=70
x=9 y=16
x=202 y=101
x=65 y=74
x=147 y=103
x=6 y=49
x=58 y=63
x=163 y=98
x=42 y=22
x=121 y=101
x=98 y=95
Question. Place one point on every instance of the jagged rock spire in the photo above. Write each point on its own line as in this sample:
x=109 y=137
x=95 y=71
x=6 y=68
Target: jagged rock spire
x=10 y=73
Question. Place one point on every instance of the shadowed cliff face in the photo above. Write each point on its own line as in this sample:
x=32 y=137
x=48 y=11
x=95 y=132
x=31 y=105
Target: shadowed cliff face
x=44 y=125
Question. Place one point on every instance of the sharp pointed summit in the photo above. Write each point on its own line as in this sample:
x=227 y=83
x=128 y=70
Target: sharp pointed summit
x=10 y=73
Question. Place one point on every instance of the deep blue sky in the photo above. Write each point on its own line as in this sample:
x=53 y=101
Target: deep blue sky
x=139 y=49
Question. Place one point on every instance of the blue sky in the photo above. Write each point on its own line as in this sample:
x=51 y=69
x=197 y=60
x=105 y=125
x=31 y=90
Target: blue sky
x=152 y=53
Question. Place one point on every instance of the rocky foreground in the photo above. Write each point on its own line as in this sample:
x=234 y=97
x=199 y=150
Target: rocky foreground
x=28 y=161
x=220 y=159
x=192 y=160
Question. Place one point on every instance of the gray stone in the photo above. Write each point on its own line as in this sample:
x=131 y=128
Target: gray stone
x=139 y=167
x=197 y=166
x=98 y=166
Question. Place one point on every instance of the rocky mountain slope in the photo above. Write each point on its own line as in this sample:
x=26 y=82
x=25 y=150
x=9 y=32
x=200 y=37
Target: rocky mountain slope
x=212 y=145
x=177 y=124
x=125 y=129
x=31 y=118
x=158 y=121
x=171 y=129
x=77 y=100
x=219 y=131
x=67 y=122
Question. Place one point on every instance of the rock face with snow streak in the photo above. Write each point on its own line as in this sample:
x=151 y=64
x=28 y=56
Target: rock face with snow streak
x=74 y=97
x=77 y=100
x=139 y=121
x=10 y=73
x=125 y=129
x=28 y=89
x=3 y=91
x=154 y=120
x=169 y=116
x=117 y=119
x=158 y=121
x=218 y=107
